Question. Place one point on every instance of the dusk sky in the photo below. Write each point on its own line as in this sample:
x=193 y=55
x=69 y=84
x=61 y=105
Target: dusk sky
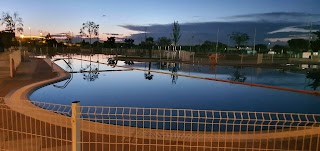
x=121 y=16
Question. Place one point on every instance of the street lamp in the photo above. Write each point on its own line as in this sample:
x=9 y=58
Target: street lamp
x=30 y=32
x=191 y=42
x=269 y=46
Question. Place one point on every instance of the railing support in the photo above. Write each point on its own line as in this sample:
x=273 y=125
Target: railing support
x=75 y=126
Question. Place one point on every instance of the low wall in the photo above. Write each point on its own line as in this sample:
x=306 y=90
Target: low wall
x=15 y=60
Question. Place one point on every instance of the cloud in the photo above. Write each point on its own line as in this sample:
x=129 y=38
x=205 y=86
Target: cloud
x=104 y=15
x=208 y=31
x=276 y=17
x=273 y=26
x=112 y=34
x=292 y=29
x=277 y=40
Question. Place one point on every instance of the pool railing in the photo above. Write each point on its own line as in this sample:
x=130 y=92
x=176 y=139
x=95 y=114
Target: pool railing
x=49 y=126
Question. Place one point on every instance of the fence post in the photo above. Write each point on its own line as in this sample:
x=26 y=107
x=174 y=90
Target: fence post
x=75 y=108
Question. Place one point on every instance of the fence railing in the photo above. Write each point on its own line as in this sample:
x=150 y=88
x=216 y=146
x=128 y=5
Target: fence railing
x=186 y=56
x=48 y=126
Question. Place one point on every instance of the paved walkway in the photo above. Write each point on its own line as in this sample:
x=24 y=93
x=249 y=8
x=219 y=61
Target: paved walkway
x=28 y=72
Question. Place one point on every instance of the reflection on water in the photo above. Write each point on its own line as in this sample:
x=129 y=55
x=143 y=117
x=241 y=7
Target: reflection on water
x=90 y=71
x=314 y=75
x=148 y=75
x=265 y=76
x=238 y=76
x=165 y=91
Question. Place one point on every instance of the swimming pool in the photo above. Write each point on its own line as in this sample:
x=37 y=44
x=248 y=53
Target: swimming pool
x=133 y=88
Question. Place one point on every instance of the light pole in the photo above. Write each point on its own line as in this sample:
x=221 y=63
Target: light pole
x=191 y=42
x=20 y=41
x=29 y=32
x=217 y=46
x=269 y=46
x=228 y=42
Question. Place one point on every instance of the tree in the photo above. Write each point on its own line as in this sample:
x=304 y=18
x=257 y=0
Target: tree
x=239 y=38
x=174 y=69
x=89 y=29
x=6 y=40
x=163 y=41
x=48 y=36
x=315 y=45
x=149 y=41
x=175 y=33
x=96 y=44
x=50 y=41
x=314 y=75
x=84 y=43
x=208 y=46
x=280 y=49
x=148 y=75
x=129 y=42
x=68 y=38
x=110 y=43
x=261 y=48
x=13 y=23
x=298 y=45
x=238 y=76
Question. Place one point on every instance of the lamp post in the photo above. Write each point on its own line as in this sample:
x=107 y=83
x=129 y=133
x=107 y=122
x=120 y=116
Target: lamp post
x=191 y=42
x=29 y=32
x=21 y=38
x=228 y=42
x=20 y=42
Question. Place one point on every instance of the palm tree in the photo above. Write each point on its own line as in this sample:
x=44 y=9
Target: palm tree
x=89 y=29
x=12 y=23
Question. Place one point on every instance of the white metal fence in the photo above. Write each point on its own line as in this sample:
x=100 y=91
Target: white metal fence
x=47 y=126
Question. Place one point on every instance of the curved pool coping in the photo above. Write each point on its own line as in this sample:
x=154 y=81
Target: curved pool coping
x=19 y=102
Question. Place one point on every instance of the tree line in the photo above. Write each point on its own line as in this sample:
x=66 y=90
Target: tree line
x=13 y=24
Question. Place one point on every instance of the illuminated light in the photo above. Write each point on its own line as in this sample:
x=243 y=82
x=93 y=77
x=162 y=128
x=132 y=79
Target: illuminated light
x=22 y=36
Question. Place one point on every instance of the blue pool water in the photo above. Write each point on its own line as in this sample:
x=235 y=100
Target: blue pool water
x=135 y=89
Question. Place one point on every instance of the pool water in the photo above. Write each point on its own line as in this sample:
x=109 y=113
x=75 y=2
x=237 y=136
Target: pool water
x=136 y=88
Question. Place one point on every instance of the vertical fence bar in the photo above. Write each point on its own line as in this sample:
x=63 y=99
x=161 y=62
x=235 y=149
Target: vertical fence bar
x=75 y=126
